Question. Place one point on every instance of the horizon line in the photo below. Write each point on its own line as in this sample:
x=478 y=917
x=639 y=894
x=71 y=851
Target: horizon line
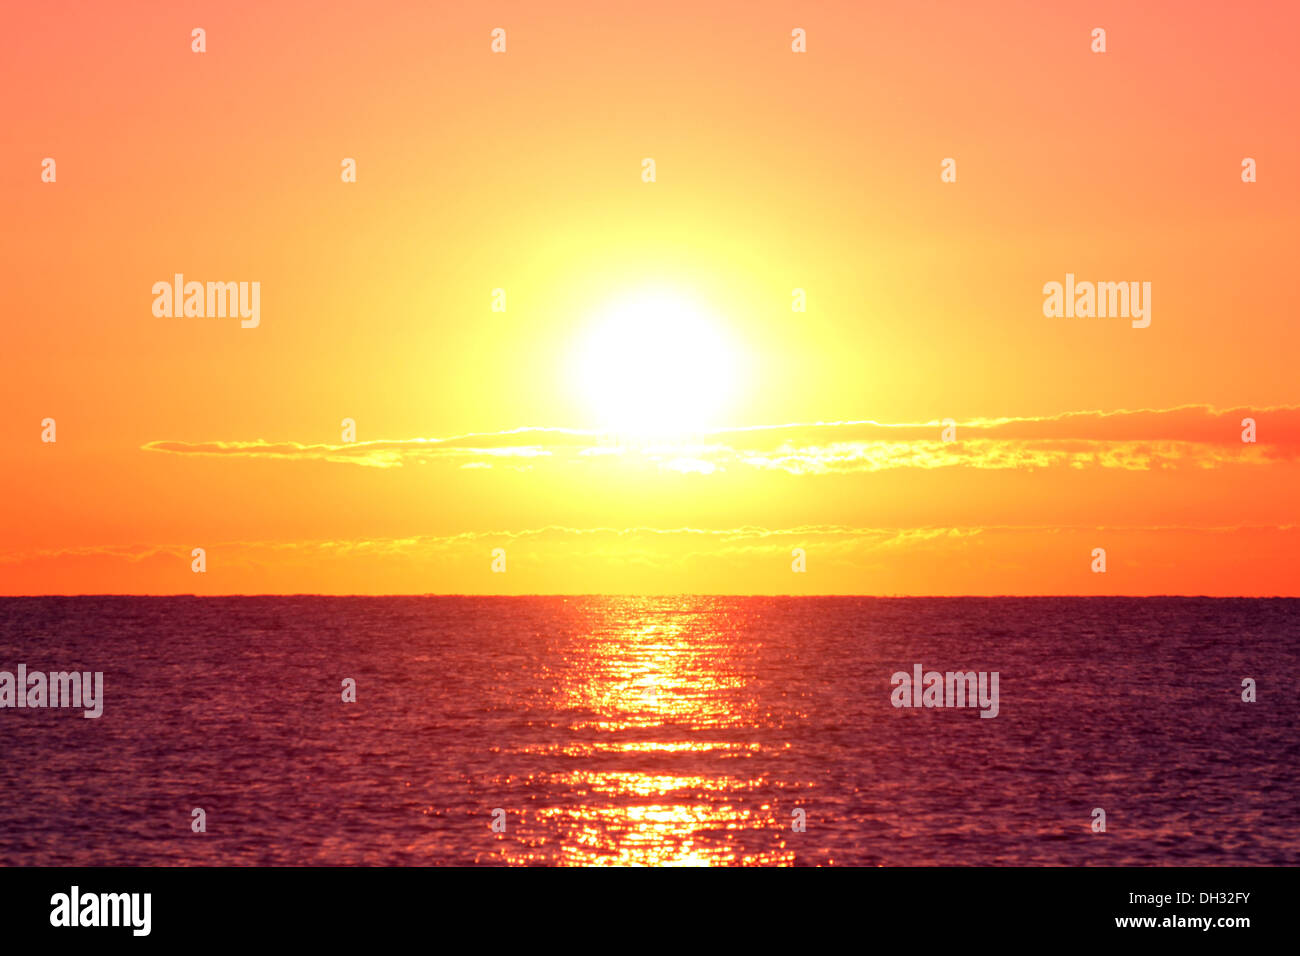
x=661 y=594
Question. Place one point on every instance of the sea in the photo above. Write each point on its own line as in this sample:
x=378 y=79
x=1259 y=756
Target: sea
x=675 y=730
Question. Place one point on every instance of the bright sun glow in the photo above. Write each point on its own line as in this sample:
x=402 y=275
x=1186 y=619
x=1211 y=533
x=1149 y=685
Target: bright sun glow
x=656 y=364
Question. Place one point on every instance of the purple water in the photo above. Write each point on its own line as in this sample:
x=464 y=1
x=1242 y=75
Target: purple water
x=683 y=730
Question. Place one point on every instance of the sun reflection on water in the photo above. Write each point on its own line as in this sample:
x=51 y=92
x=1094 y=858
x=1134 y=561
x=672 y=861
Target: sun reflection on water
x=655 y=753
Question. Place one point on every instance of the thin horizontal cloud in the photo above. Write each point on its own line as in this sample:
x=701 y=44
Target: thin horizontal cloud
x=375 y=454
x=1194 y=435
x=842 y=559
x=741 y=537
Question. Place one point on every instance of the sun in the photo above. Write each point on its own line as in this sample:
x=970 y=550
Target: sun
x=656 y=364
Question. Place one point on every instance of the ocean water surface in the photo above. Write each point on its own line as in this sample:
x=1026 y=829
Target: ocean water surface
x=671 y=730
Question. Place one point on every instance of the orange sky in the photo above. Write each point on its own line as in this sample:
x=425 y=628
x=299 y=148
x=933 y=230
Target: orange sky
x=523 y=171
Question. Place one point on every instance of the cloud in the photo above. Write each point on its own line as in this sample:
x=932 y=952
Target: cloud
x=1140 y=440
x=373 y=454
x=743 y=537
x=844 y=559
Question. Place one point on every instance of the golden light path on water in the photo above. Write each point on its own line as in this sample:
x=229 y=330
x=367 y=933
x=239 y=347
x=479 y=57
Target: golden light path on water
x=655 y=753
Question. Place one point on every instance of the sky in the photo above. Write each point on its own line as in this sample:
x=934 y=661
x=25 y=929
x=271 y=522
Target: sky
x=607 y=378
